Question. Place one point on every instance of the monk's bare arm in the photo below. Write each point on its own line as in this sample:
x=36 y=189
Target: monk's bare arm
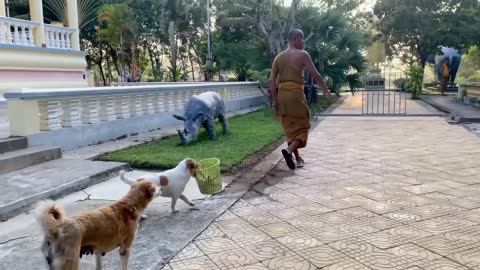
x=318 y=78
x=273 y=84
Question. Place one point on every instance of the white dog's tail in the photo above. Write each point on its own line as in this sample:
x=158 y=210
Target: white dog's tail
x=125 y=179
x=50 y=216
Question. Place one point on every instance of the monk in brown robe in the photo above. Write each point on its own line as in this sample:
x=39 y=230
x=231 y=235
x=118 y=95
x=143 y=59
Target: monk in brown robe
x=291 y=105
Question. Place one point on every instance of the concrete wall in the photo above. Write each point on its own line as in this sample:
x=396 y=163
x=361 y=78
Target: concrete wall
x=75 y=137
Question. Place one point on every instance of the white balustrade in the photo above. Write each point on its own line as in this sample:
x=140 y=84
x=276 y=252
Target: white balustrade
x=75 y=107
x=17 y=32
x=58 y=37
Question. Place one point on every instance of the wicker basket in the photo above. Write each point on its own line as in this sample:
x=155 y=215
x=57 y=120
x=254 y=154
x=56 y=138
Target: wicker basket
x=208 y=176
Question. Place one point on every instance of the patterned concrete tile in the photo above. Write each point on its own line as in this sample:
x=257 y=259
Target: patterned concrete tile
x=424 y=212
x=267 y=250
x=211 y=232
x=347 y=264
x=262 y=219
x=200 y=263
x=286 y=213
x=280 y=229
x=299 y=241
x=395 y=237
x=226 y=216
x=425 y=188
x=444 y=246
x=245 y=238
x=353 y=247
x=232 y=259
x=235 y=225
x=313 y=209
x=329 y=234
x=289 y=261
x=469 y=258
x=189 y=252
x=443 y=224
x=322 y=256
x=257 y=266
x=470 y=202
x=216 y=245
x=444 y=264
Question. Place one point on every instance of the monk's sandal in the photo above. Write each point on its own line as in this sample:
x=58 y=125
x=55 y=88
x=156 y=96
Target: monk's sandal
x=289 y=159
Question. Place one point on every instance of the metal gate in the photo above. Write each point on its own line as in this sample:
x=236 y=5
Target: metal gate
x=384 y=102
x=381 y=95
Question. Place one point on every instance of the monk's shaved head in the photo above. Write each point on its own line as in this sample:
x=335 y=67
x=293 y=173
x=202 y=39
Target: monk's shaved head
x=295 y=34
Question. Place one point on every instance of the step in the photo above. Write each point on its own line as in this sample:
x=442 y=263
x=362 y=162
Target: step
x=20 y=159
x=54 y=179
x=13 y=144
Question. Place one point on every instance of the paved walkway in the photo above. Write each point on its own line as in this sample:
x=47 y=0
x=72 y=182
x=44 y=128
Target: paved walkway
x=376 y=193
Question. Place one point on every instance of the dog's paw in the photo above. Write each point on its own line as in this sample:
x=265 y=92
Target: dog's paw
x=175 y=211
x=191 y=204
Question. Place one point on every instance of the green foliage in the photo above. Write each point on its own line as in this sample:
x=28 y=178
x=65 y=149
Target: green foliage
x=470 y=66
x=414 y=29
x=401 y=83
x=335 y=46
x=415 y=83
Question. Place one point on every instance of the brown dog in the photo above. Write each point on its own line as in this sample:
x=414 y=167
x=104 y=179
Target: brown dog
x=98 y=231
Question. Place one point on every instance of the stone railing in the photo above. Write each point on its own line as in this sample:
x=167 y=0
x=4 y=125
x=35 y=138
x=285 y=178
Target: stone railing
x=469 y=93
x=33 y=111
x=58 y=37
x=17 y=32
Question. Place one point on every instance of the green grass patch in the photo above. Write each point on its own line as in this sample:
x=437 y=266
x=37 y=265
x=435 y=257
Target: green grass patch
x=248 y=134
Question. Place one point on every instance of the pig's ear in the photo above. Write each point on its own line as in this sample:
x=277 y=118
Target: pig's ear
x=178 y=117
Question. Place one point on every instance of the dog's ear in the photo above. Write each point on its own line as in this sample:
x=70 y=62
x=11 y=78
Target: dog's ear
x=192 y=166
x=163 y=181
x=150 y=191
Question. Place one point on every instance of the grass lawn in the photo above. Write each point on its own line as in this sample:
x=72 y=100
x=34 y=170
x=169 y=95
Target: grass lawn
x=249 y=134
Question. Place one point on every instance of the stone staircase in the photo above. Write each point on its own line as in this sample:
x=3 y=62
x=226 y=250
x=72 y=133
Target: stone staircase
x=31 y=174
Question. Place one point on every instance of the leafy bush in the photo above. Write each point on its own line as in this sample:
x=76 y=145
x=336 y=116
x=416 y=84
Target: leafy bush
x=415 y=83
x=401 y=83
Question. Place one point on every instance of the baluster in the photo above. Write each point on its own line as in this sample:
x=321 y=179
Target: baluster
x=30 y=36
x=63 y=43
x=24 y=36
x=56 y=44
x=9 y=33
x=49 y=38
x=2 y=32
x=68 y=42
x=16 y=39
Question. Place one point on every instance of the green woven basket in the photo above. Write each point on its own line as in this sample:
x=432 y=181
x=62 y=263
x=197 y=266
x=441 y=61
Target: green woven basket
x=208 y=176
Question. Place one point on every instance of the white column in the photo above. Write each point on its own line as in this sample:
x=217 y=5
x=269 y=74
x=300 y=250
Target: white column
x=3 y=11
x=72 y=22
x=36 y=15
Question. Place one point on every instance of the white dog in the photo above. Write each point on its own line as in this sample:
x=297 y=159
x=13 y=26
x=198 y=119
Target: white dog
x=171 y=182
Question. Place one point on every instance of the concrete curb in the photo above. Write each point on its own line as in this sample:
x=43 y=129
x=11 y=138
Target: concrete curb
x=447 y=111
x=17 y=207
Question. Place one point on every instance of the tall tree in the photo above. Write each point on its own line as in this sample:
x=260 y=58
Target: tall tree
x=413 y=28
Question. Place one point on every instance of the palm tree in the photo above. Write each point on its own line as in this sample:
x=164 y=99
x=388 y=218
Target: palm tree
x=336 y=47
x=118 y=27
